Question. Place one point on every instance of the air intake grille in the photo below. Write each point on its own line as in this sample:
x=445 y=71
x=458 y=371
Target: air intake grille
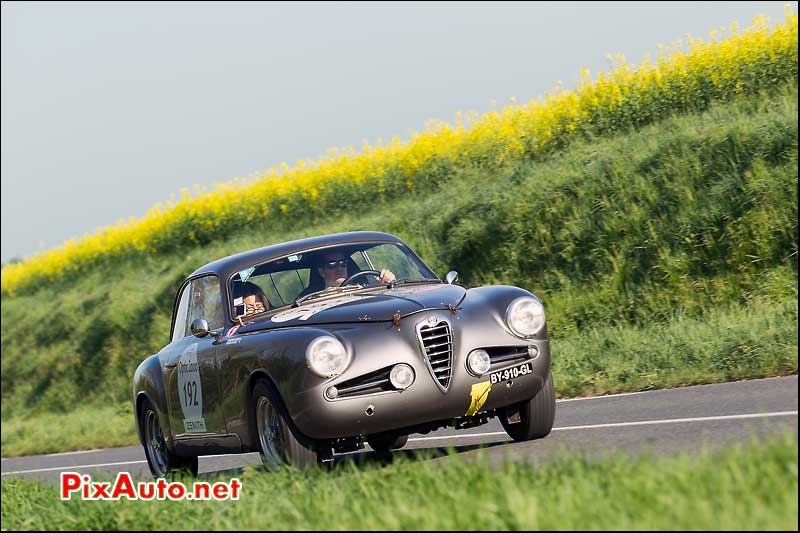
x=371 y=383
x=438 y=345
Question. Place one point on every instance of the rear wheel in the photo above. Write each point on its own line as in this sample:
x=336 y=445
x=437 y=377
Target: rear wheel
x=384 y=443
x=535 y=415
x=160 y=460
x=277 y=442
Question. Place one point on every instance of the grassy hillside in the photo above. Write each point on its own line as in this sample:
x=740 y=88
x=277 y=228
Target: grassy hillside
x=751 y=487
x=685 y=77
x=664 y=256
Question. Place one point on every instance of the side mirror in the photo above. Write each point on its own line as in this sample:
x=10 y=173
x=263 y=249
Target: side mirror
x=451 y=277
x=199 y=329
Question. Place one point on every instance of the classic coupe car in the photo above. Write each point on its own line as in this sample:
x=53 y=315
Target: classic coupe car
x=317 y=346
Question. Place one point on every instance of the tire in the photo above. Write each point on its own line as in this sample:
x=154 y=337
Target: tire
x=160 y=459
x=276 y=440
x=536 y=415
x=383 y=443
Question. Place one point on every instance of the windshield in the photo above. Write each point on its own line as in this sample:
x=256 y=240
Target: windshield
x=304 y=276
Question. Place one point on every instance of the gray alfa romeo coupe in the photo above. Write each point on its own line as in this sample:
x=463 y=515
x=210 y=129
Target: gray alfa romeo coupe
x=313 y=347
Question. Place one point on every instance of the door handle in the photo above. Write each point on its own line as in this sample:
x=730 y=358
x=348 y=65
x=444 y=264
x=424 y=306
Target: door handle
x=171 y=365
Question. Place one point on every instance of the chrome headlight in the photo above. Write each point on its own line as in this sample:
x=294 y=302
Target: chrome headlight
x=478 y=362
x=327 y=357
x=402 y=376
x=525 y=316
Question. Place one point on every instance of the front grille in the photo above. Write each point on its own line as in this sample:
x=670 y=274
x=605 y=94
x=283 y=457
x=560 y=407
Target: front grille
x=437 y=343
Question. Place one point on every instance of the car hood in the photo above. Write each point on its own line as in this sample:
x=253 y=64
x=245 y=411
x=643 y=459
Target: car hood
x=363 y=307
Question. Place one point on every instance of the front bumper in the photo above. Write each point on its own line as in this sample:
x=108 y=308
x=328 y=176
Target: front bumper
x=424 y=401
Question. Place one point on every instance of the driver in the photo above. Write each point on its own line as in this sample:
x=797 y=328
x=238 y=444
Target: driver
x=333 y=269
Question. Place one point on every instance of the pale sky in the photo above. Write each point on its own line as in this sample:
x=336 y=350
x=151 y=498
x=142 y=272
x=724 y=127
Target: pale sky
x=110 y=108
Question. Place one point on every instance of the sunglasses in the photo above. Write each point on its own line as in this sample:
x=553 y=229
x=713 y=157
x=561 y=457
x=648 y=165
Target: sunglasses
x=341 y=263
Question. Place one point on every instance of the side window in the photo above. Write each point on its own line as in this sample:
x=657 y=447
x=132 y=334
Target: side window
x=181 y=325
x=205 y=302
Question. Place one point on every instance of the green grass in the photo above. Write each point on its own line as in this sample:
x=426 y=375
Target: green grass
x=754 y=341
x=750 y=487
x=673 y=224
x=87 y=427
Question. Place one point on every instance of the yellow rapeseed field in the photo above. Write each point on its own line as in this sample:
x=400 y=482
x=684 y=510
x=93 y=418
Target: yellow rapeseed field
x=684 y=76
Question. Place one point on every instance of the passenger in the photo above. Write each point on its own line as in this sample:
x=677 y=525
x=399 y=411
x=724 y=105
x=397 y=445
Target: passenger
x=253 y=298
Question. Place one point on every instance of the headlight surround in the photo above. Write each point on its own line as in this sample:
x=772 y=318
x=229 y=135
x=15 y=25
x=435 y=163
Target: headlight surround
x=327 y=357
x=525 y=316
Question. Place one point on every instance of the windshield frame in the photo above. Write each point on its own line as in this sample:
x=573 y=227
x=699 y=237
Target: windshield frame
x=231 y=309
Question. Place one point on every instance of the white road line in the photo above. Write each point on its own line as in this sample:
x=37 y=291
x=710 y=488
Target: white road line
x=62 y=454
x=620 y=424
x=72 y=467
x=473 y=435
x=679 y=420
x=59 y=454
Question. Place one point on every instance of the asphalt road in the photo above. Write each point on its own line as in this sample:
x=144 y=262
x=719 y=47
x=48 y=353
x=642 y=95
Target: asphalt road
x=662 y=422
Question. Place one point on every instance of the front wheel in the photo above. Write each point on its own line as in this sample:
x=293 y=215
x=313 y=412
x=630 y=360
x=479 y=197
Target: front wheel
x=160 y=460
x=535 y=415
x=277 y=443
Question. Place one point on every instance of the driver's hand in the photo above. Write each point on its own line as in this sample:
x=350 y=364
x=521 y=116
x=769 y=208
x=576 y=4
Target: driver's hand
x=387 y=276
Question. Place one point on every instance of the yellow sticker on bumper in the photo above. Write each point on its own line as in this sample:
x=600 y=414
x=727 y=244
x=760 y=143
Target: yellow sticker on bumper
x=478 y=395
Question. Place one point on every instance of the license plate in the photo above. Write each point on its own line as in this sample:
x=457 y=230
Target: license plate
x=510 y=373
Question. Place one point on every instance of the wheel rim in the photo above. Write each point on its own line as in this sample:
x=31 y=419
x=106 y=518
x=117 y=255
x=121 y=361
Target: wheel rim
x=269 y=433
x=155 y=445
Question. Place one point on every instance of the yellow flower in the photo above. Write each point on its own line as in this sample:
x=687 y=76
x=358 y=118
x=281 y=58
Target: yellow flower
x=722 y=66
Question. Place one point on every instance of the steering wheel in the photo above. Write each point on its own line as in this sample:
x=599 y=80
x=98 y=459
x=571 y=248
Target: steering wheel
x=358 y=275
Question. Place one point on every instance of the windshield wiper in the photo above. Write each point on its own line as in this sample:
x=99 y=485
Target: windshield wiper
x=393 y=284
x=325 y=292
x=336 y=290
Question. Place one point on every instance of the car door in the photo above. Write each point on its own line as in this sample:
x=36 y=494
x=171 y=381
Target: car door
x=191 y=364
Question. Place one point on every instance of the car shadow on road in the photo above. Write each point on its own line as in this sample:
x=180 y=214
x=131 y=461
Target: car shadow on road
x=381 y=459
x=371 y=459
